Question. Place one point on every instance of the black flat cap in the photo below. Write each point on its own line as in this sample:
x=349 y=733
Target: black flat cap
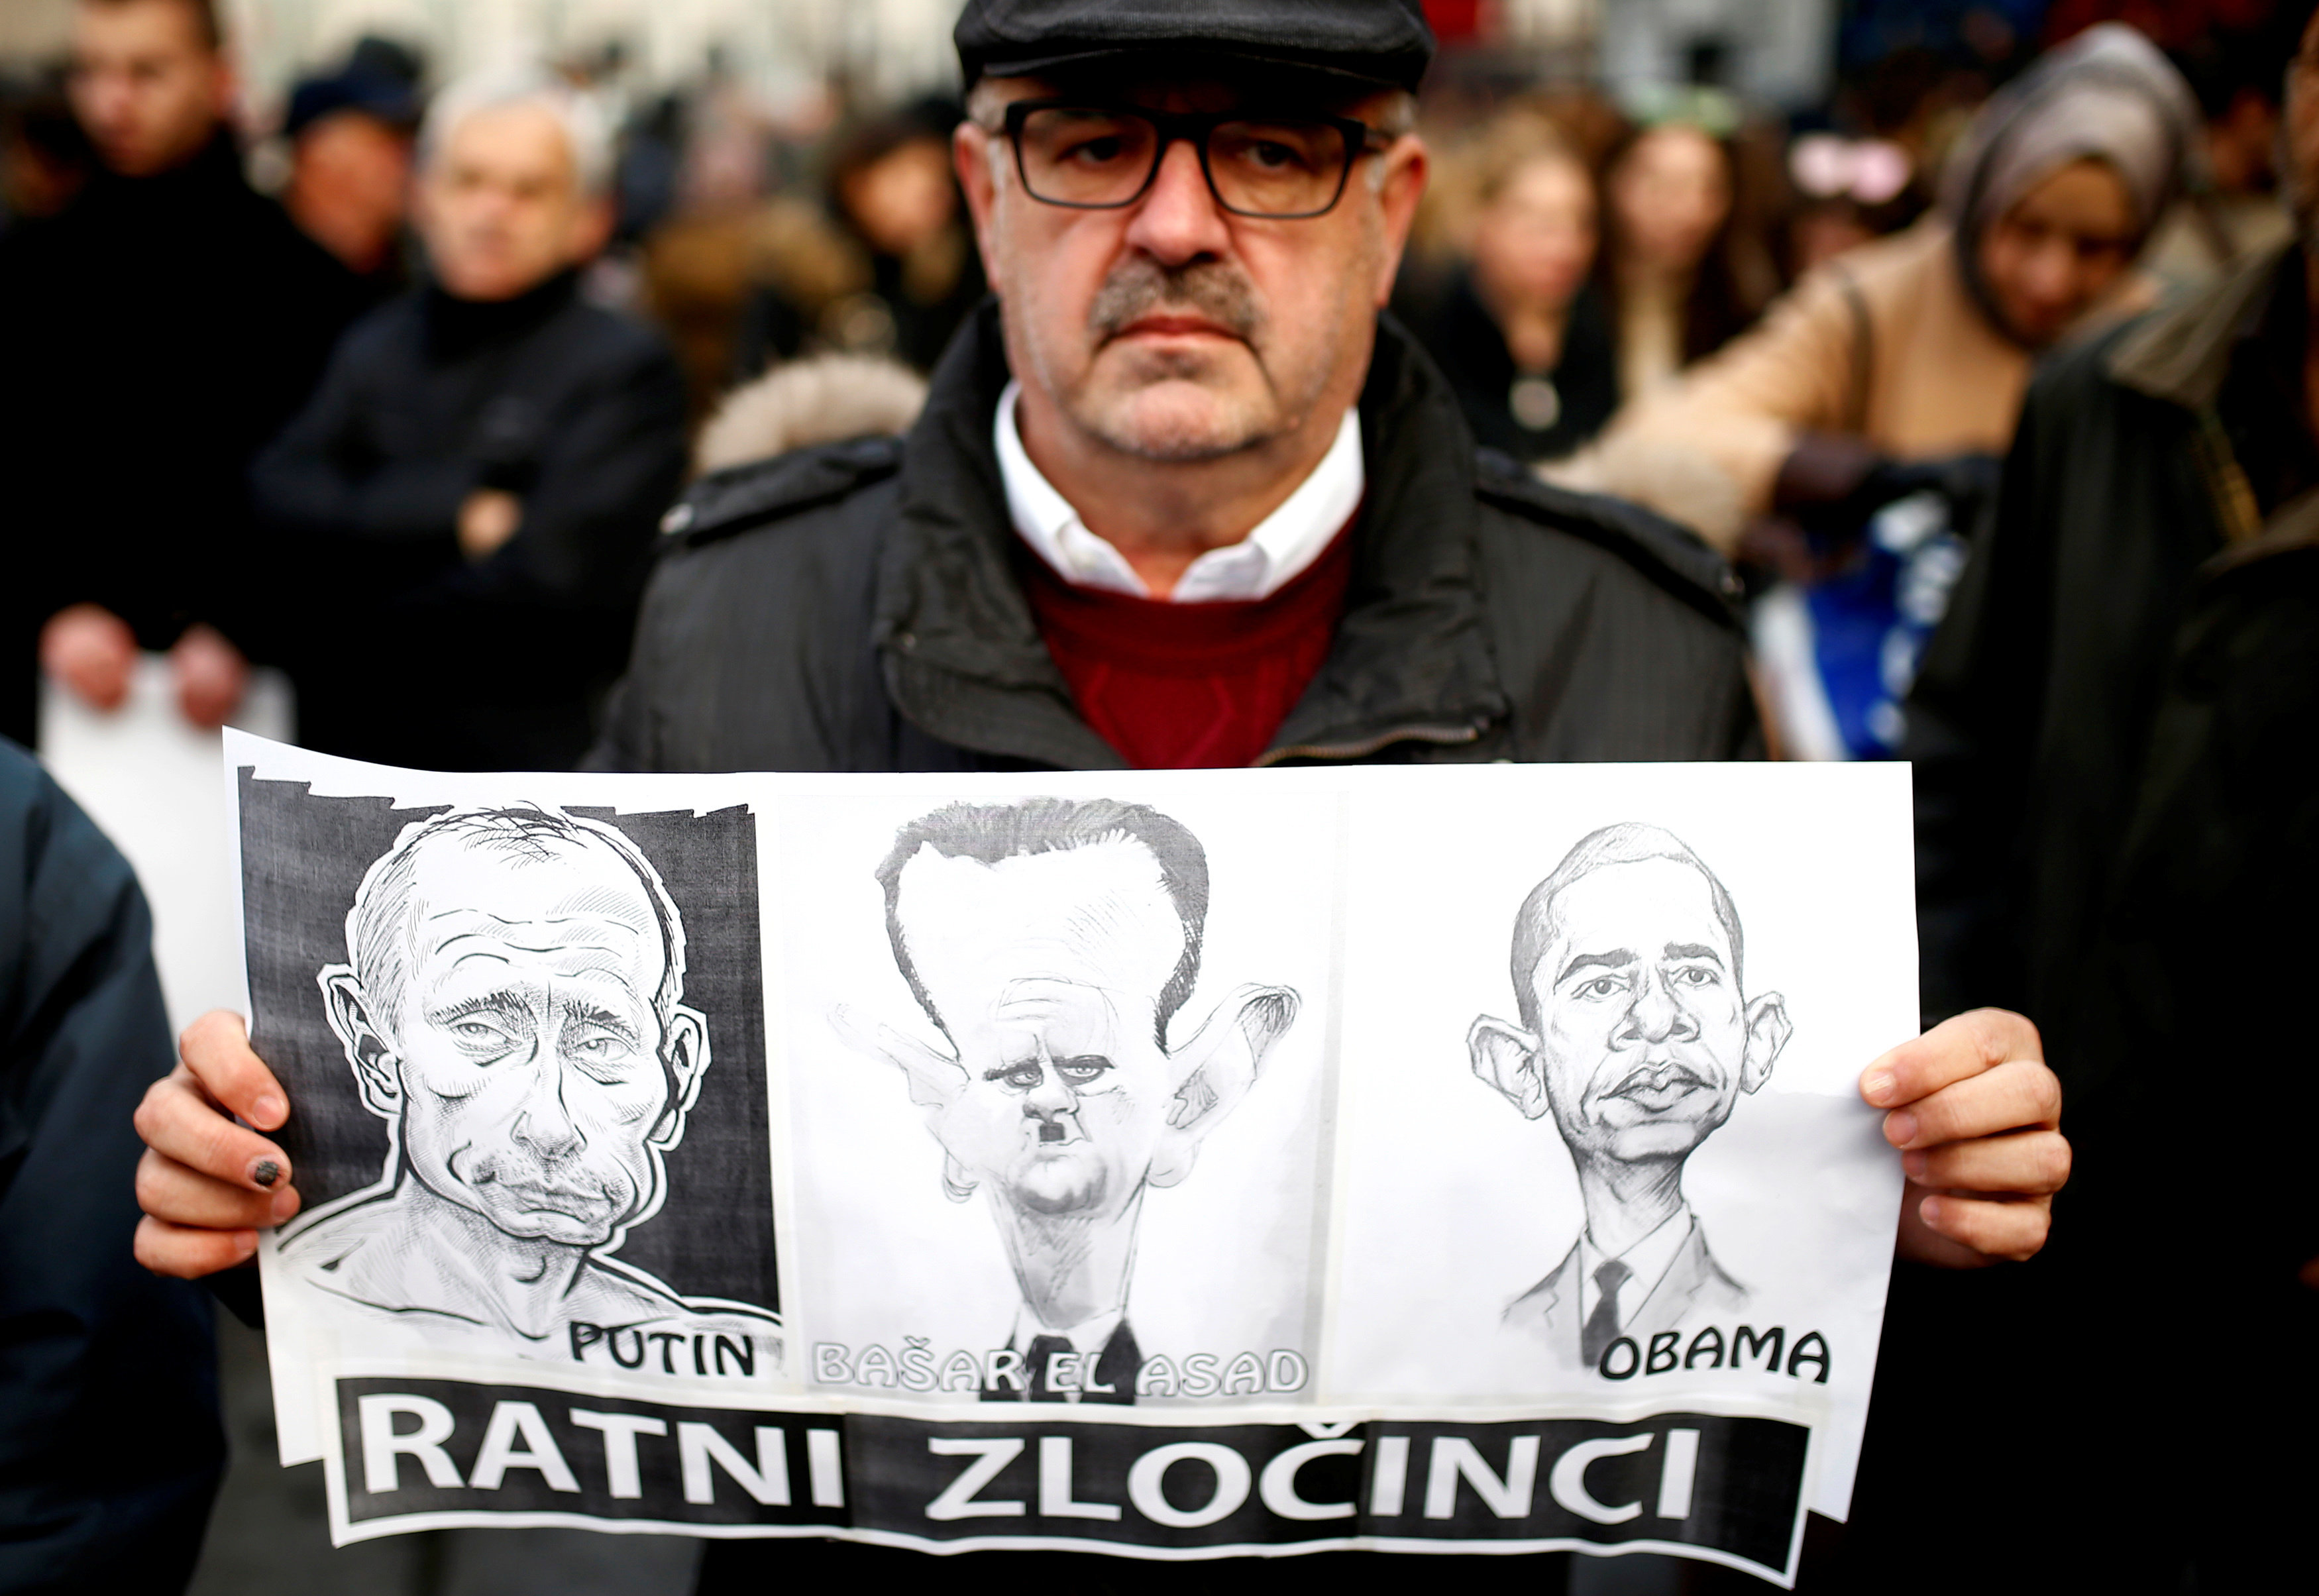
x=1380 y=41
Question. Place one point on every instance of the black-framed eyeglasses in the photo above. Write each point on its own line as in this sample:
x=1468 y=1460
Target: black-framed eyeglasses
x=1095 y=157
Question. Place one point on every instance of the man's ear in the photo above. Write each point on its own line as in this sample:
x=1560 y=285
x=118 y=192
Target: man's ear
x=684 y=1049
x=592 y=230
x=1506 y=1057
x=936 y=1079
x=1406 y=164
x=1767 y=1033
x=971 y=157
x=378 y=1068
x=1217 y=1066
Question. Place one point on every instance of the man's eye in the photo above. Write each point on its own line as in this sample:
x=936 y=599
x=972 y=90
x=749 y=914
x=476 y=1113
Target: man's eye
x=1603 y=986
x=1095 y=152
x=480 y=1034
x=1695 y=975
x=1080 y=1071
x=1023 y=1077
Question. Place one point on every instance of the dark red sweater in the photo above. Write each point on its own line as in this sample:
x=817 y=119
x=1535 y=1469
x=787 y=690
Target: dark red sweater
x=1176 y=686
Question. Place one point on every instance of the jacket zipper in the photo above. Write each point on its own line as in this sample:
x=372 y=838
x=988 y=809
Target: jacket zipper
x=1441 y=735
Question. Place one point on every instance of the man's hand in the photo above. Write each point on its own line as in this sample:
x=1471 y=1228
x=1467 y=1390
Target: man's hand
x=93 y=652
x=487 y=519
x=210 y=674
x=1977 y=1117
x=206 y=1183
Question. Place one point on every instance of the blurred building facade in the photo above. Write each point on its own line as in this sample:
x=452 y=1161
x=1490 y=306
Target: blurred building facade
x=785 y=51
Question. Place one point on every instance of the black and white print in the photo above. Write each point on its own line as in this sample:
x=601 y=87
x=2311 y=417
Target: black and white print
x=530 y=1040
x=1163 y=1163
x=1072 y=1029
x=1636 y=1038
x=1618 y=1152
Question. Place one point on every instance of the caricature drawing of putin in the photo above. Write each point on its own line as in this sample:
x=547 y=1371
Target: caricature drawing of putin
x=1052 y=942
x=513 y=1006
x=1637 y=1037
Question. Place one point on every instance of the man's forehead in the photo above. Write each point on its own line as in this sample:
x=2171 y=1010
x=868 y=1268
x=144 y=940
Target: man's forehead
x=459 y=881
x=1194 y=83
x=1093 y=905
x=523 y=133
x=147 y=24
x=1639 y=906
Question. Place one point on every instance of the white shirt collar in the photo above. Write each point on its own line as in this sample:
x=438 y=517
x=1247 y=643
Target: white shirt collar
x=1284 y=543
x=1648 y=1262
x=1088 y=1335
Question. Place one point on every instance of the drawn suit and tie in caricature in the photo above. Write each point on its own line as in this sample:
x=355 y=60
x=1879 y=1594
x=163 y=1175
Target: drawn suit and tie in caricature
x=1053 y=943
x=512 y=1006
x=1636 y=1036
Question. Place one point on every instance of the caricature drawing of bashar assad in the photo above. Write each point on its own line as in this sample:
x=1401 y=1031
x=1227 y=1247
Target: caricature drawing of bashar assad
x=1052 y=942
x=512 y=1006
x=1637 y=1037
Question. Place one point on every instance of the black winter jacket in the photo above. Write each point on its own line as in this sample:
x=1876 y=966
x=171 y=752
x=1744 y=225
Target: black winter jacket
x=158 y=332
x=110 y=1448
x=2118 y=835
x=2111 y=724
x=853 y=607
x=412 y=653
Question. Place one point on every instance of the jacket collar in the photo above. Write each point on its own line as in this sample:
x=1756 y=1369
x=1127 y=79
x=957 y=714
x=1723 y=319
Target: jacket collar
x=962 y=653
x=2181 y=352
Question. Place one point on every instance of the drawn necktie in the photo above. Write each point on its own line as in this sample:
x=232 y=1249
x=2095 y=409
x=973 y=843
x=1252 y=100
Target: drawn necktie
x=1603 y=1324
x=1042 y=1347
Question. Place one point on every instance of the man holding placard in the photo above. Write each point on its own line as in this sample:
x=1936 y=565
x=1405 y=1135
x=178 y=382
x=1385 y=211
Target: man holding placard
x=1182 y=498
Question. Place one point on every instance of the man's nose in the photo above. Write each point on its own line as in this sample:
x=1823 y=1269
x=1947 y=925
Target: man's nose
x=1178 y=220
x=1655 y=1015
x=545 y=1127
x=1052 y=1096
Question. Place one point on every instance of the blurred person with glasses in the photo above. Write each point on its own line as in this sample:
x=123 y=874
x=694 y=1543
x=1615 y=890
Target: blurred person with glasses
x=1180 y=498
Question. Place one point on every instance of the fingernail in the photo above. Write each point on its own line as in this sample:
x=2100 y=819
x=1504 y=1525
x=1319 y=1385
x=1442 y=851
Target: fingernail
x=1899 y=1127
x=1877 y=1084
x=1929 y=1211
x=269 y=1111
x=265 y=1172
x=1914 y=1163
x=244 y=1242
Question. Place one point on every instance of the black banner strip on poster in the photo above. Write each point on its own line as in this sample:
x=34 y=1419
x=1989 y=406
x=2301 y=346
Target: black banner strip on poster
x=1731 y=1487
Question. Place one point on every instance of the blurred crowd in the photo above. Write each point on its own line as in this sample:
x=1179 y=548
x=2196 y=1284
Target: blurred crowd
x=388 y=387
x=1771 y=323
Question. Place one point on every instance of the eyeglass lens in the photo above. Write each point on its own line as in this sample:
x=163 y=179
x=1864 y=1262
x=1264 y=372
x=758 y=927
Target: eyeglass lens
x=1279 y=168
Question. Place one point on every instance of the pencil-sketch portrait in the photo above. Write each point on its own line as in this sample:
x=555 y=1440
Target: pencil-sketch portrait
x=1636 y=1038
x=1053 y=944
x=512 y=1006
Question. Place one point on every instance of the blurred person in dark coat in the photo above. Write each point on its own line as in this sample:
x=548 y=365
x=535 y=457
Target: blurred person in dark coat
x=161 y=329
x=2112 y=803
x=476 y=483
x=1523 y=340
x=350 y=136
x=110 y=1448
x=888 y=268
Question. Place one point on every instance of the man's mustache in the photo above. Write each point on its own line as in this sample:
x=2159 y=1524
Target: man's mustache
x=1210 y=289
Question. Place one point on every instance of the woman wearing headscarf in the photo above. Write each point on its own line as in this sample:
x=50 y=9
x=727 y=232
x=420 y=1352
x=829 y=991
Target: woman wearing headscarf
x=1892 y=375
x=1918 y=346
